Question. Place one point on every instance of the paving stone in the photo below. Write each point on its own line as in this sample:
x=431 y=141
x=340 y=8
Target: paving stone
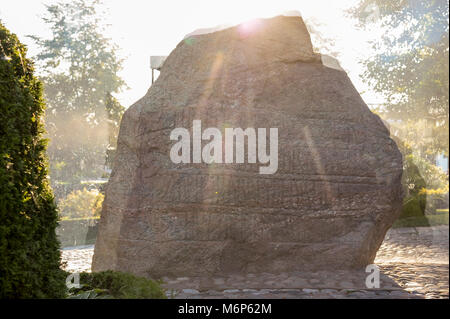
x=413 y=264
x=230 y=291
x=310 y=291
x=190 y=291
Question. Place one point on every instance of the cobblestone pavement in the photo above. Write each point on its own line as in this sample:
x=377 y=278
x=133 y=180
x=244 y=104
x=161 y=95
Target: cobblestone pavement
x=414 y=263
x=417 y=259
x=77 y=259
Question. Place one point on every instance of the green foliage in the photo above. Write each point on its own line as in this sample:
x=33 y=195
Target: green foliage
x=120 y=285
x=422 y=221
x=80 y=71
x=421 y=176
x=423 y=183
x=411 y=67
x=436 y=179
x=77 y=231
x=91 y=294
x=29 y=250
x=80 y=64
x=414 y=203
x=413 y=206
x=81 y=204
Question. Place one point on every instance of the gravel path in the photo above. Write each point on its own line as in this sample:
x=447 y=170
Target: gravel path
x=413 y=263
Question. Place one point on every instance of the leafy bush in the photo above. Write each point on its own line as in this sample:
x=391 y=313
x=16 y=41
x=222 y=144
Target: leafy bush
x=422 y=221
x=414 y=202
x=78 y=231
x=114 y=284
x=435 y=178
x=92 y=294
x=81 y=204
x=424 y=184
x=412 y=209
x=29 y=250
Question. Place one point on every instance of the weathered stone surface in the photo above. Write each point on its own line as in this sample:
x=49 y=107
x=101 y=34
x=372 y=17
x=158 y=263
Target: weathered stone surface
x=336 y=192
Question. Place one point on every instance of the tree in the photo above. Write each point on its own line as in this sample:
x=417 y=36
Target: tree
x=420 y=179
x=81 y=204
x=411 y=65
x=29 y=250
x=80 y=68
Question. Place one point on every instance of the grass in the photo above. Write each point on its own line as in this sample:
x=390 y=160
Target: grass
x=441 y=218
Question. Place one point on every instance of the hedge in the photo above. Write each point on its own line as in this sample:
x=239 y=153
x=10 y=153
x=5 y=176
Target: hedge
x=29 y=250
x=77 y=231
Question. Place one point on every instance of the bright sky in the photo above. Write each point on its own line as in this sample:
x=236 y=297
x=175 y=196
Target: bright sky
x=145 y=28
